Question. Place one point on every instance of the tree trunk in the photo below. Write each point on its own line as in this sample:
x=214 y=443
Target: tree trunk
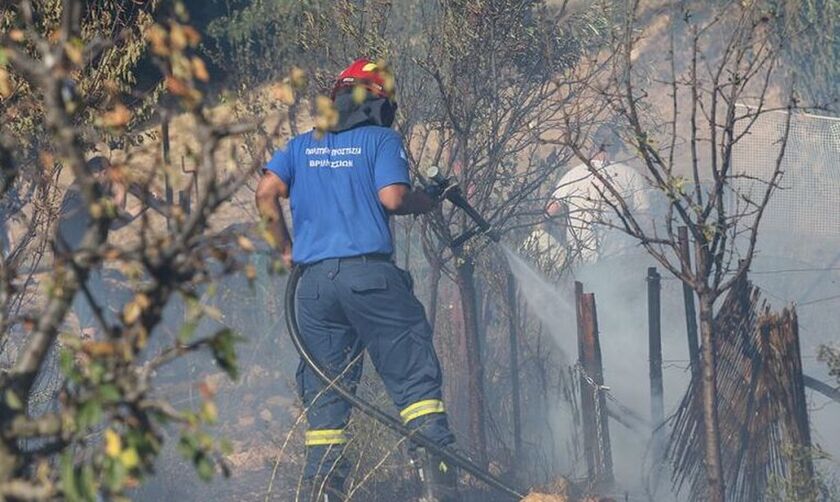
x=458 y=398
x=513 y=326
x=465 y=277
x=714 y=468
x=688 y=301
x=434 y=284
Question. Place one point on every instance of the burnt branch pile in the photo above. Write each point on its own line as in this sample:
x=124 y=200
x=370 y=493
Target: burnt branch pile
x=762 y=404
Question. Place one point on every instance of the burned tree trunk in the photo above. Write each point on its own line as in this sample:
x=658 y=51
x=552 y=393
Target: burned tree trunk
x=465 y=278
x=708 y=382
x=434 y=285
x=688 y=300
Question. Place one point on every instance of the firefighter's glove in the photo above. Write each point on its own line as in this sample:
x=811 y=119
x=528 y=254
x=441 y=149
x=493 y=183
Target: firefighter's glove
x=435 y=191
x=438 y=191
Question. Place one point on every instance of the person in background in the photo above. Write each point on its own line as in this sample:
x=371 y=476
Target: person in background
x=584 y=214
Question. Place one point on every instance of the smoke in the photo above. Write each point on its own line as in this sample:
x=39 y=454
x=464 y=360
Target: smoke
x=620 y=292
x=554 y=309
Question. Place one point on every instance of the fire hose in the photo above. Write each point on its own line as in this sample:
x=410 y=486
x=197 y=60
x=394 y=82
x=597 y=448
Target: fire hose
x=446 y=453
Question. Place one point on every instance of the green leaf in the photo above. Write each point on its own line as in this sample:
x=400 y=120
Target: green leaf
x=224 y=352
x=187 y=446
x=115 y=474
x=205 y=441
x=277 y=267
x=90 y=414
x=187 y=330
x=204 y=467
x=67 y=362
x=68 y=478
x=225 y=446
x=13 y=401
x=110 y=393
x=97 y=371
x=87 y=482
x=145 y=442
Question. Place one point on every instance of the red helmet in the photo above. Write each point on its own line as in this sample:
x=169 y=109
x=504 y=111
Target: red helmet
x=366 y=73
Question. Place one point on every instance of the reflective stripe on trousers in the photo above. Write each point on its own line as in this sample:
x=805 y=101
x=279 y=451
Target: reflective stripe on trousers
x=421 y=408
x=325 y=437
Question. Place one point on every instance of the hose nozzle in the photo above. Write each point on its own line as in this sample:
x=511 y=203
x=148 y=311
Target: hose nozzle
x=454 y=195
x=433 y=173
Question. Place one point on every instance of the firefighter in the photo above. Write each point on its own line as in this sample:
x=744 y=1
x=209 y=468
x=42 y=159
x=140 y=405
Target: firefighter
x=342 y=187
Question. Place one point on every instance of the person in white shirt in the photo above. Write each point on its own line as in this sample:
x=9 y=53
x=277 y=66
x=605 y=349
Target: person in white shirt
x=581 y=202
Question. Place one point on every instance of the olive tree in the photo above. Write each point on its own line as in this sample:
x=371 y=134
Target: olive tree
x=105 y=428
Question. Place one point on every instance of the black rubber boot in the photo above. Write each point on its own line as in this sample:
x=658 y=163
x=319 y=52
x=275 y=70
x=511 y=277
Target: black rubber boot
x=438 y=478
x=316 y=490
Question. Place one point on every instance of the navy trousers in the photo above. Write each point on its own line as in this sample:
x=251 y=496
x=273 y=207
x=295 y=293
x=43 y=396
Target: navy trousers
x=349 y=305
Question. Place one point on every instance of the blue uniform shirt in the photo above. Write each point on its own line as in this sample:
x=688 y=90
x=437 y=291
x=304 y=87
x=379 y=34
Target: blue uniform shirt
x=334 y=185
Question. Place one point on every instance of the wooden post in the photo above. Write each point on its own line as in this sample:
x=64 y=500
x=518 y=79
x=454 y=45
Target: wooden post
x=513 y=326
x=594 y=419
x=821 y=387
x=192 y=190
x=184 y=201
x=688 y=299
x=587 y=403
x=657 y=407
x=167 y=183
x=800 y=433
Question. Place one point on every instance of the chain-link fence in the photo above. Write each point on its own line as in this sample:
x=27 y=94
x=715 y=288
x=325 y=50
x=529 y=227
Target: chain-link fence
x=801 y=219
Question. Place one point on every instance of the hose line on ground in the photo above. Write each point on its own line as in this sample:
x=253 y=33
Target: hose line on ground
x=371 y=410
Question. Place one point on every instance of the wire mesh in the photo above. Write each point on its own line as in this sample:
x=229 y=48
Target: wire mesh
x=809 y=192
